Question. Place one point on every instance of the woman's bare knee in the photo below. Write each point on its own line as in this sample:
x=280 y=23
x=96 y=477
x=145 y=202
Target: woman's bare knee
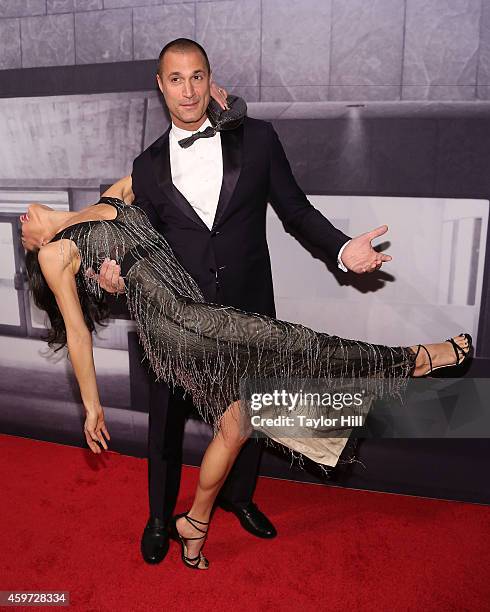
x=234 y=429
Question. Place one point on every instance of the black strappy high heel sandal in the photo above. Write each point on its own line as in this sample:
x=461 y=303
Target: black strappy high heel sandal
x=460 y=353
x=192 y=562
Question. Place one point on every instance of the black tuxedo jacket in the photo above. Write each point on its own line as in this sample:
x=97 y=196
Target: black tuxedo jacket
x=231 y=262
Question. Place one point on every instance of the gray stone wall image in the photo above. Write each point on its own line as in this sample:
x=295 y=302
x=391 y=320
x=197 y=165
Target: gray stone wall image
x=272 y=50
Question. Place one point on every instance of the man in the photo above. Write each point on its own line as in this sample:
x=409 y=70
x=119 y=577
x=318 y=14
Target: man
x=209 y=201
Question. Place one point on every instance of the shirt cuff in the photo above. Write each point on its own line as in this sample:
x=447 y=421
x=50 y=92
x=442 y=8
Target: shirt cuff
x=340 y=263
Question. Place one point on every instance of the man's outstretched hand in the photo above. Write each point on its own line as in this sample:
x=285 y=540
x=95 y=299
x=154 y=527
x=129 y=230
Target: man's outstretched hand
x=359 y=255
x=109 y=277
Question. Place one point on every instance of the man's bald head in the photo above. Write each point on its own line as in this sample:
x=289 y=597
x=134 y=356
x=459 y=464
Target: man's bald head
x=183 y=45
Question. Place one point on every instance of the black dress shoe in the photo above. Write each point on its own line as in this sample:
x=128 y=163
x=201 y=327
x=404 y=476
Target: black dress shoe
x=251 y=519
x=155 y=541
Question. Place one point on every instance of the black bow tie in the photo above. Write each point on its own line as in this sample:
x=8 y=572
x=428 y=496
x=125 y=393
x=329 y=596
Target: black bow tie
x=207 y=133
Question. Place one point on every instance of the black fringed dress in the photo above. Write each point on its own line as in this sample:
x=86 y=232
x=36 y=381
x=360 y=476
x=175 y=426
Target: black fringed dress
x=209 y=349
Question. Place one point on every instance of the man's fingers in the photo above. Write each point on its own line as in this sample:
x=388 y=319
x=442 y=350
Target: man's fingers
x=90 y=273
x=121 y=287
x=371 y=264
x=105 y=274
x=104 y=267
x=116 y=271
x=112 y=274
x=110 y=277
x=379 y=231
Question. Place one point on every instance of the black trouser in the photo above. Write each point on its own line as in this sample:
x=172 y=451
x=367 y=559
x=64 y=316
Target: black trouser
x=168 y=413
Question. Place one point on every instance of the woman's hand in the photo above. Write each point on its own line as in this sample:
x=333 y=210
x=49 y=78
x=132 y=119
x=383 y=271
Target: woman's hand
x=94 y=428
x=219 y=94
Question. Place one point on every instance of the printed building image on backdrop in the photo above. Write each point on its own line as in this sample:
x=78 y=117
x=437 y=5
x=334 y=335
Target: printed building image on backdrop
x=66 y=148
x=378 y=125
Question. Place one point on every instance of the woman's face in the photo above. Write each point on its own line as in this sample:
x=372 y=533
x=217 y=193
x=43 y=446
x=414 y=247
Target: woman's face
x=34 y=226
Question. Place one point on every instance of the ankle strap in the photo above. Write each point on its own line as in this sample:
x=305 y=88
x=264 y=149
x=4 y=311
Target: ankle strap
x=193 y=520
x=428 y=355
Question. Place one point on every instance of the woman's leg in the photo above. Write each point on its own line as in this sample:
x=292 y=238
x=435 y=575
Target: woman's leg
x=216 y=464
x=224 y=448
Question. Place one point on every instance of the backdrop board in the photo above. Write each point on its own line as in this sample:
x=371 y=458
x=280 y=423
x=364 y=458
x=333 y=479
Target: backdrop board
x=419 y=167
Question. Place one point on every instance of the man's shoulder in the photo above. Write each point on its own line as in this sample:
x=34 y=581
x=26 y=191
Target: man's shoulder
x=258 y=133
x=258 y=126
x=150 y=149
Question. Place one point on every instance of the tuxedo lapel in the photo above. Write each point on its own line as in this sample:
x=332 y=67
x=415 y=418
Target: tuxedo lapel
x=160 y=156
x=231 y=147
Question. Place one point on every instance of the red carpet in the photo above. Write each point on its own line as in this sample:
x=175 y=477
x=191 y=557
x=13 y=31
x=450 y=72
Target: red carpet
x=72 y=521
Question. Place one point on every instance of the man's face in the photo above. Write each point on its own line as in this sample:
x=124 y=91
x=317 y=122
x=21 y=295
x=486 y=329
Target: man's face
x=184 y=82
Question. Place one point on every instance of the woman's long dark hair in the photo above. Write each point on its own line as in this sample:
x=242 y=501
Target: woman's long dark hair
x=94 y=310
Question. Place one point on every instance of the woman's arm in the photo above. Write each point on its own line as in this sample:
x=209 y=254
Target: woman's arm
x=59 y=272
x=122 y=189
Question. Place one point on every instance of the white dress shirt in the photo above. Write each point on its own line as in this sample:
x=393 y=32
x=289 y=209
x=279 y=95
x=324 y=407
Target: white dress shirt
x=197 y=171
x=340 y=263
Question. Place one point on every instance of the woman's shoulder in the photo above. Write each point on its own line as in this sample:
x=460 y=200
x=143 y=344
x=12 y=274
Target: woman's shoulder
x=58 y=255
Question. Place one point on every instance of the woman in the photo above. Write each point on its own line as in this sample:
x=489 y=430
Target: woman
x=205 y=348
